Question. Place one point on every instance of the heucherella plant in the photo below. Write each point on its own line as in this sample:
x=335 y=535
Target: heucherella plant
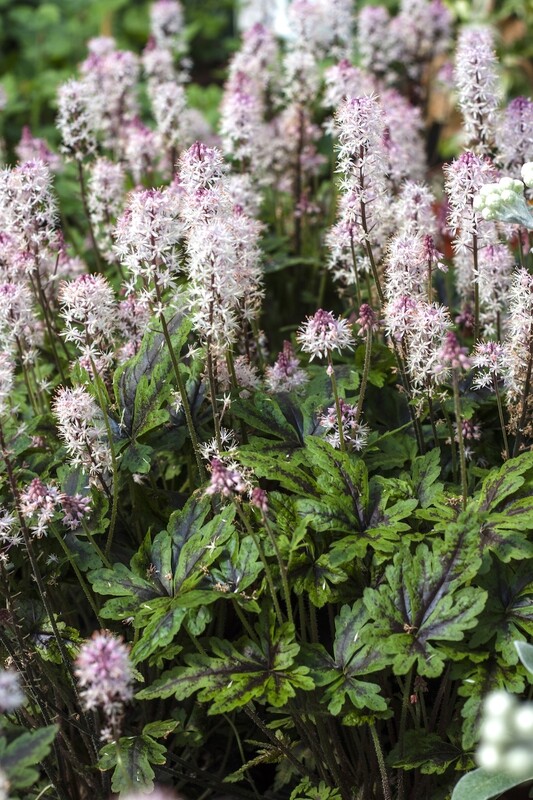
x=266 y=395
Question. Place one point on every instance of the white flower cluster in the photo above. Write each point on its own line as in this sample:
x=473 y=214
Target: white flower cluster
x=506 y=735
x=505 y=201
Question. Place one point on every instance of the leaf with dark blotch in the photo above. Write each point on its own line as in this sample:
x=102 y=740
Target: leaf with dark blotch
x=201 y=549
x=262 y=413
x=353 y=659
x=134 y=770
x=141 y=384
x=237 y=674
x=239 y=565
x=427 y=751
x=159 y=632
x=315 y=578
x=276 y=468
x=421 y=600
x=120 y=582
x=508 y=615
x=505 y=481
x=426 y=471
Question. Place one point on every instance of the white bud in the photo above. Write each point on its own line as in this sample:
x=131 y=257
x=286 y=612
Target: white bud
x=493 y=199
x=498 y=703
x=495 y=730
x=506 y=183
x=489 y=757
x=527 y=174
x=507 y=196
x=519 y=761
x=523 y=719
x=488 y=214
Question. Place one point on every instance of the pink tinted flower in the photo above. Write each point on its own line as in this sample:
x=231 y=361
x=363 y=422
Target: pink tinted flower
x=225 y=480
x=514 y=136
x=77 y=118
x=31 y=148
x=477 y=83
x=105 y=676
x=259 y=499
x=285 y=375
x=488 y=360
x=355 y=433
x=75 y=508
x=38 y=502
x=367 y=320
x=452 y=355
x=322 y=333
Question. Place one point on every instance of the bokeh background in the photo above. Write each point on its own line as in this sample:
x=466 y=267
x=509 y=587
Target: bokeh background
x=42 y=42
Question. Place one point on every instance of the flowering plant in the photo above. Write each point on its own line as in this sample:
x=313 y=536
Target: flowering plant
x=266 y=394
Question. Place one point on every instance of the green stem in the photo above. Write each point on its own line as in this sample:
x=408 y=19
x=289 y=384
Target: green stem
x=262 y=556
x=331 y=373
x=460 y=440
x=282 y=569
x=79 y=576
x=181 y=387
x=364 y=379
x=381 y=763
x=500 y=414
x=114 y=467
x=476 y=287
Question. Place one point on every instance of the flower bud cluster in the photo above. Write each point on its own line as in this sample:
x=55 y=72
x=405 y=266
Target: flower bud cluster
x=506 y=735
x=355 y=433
x=323 y=333
x=82 y=429
x=105 y=678
x=505 y=201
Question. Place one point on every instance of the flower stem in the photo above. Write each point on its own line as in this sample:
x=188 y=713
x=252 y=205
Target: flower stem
x=381 y=763
x=331 y=373
x=500 y=414
x=364 y=378
x=460 y=440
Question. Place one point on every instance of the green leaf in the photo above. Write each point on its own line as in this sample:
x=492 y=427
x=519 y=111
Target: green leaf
x=476 y=682
x=315 y=578
x=24 y=753
x=120 y=582
x=352 y=658
x=262 y=413
x=159 y=632
x=132 y=763
x=483 y=785
x=239 y=673
x=137 y=458
x=420 y=601
x=508 y=614
x=239 y=565
x=160 y=729
x=425 y=474
x=505 y=481
x=142 y=384
x=425 y=750
x=289 y=476
x=505 y=531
